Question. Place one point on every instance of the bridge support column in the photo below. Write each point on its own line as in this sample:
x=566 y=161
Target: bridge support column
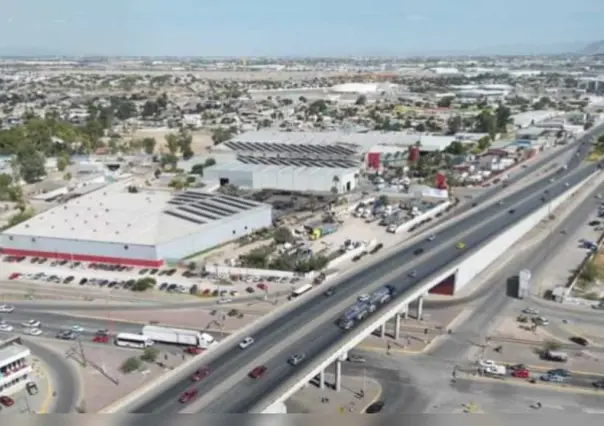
x=322 y=379
x=405 y=313
x=420 y=308
x=397 y=326
x=383 y=330
x=338 y=375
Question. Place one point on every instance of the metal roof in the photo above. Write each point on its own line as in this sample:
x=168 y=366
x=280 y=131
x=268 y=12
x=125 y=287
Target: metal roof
x=146 y=218
x=310 y=162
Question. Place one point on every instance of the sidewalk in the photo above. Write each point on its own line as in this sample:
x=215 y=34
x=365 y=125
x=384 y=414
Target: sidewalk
x=312 y=400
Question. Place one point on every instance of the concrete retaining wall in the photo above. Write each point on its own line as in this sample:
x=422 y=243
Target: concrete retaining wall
x=426 y=215
x=350 y=254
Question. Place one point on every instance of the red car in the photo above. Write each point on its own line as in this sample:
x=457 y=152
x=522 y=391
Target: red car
x=194 y=350
x=262 y=286
x=187 y=396
x=257 y=372
x=100 y=338
x=521 y=374
x=6 y=401
x=14 y=276
x=200 y=374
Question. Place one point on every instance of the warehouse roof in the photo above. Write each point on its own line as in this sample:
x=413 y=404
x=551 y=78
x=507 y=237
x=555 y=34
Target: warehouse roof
x=265 y=140
x=146 y=218
x=327 y=172
x=308 y=162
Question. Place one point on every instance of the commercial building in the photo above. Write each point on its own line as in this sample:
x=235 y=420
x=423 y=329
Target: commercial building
x=127 y=225
x=14 y=370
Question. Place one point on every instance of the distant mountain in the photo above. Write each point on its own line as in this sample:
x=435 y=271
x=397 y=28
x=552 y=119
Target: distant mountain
x=595 y=48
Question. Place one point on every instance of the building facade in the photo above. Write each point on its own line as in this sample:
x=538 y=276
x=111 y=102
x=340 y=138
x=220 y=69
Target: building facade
x=15 y=371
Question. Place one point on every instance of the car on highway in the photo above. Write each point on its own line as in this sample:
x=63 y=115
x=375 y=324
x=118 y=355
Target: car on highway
x=363 y=298
x=6 y=327
x=257 y=372
x=31 y=323
x=67 y=335
x=486 y=363
x=579 y=340
x=100 y=338
x=6 y=309
x=500 y=203
x=77 y=328
x=562 y=372
x=200 y=374
x=194 y=350
x=7 y=401
x=248 y=341
x=540 y=321
x=554 y=378
x=187 y=396
x=432 y=237
x=375 y=408
x=330 y=291
x=33 y=331
x=377 y=248
x=598 y=384
x=413 y=274
x=296 y=359
x=460 y=245
x=418 y=251
x=356 y=359
x=511 y=211
x=521 y=373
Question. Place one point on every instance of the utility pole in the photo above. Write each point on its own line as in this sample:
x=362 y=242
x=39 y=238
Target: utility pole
x=82 y=353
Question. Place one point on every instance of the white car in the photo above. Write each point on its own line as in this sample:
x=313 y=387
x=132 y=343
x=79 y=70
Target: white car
x=77 y=328
x=7 y=309
x=431 y=237
x=223 y=301
x=363 y=298
x=33 y=331
x=31 y=323
x=6 y=327
x=246 y=342
x=530 y=311
x=487 y=363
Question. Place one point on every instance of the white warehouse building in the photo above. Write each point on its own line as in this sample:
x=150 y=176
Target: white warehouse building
x=286 y=175
x=140 y=228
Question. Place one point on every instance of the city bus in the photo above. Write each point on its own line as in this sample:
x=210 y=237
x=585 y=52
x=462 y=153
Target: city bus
x=131 y=340
x=300 y=291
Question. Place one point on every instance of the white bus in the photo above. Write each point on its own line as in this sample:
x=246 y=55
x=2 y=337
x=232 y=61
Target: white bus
x=300 y=291
x=131 y=340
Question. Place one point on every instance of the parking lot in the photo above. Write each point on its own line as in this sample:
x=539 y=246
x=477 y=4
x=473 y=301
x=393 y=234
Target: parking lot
x=120 y=277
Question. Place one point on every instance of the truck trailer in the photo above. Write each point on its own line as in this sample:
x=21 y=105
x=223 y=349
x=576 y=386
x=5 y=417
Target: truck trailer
x=524 y=283
x=177 y=336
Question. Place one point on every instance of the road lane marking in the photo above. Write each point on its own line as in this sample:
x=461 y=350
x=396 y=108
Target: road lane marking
x=49 y=390
x=376 y=397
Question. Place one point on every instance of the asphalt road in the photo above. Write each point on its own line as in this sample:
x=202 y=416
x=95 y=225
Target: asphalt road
x=248 y=393
x=65 y=380
x=484 y=196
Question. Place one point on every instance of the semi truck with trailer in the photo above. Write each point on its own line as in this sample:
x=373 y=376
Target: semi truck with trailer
x=175 y=336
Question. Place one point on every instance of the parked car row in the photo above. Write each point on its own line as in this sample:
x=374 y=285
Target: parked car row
x=159 y=272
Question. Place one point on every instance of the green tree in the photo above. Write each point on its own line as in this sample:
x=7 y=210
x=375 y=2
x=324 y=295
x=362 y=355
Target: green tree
x=149 y=145
x=484 y=143
x=454 y=124
x=32 y=164
x=177 y=184
x=485 y=122
x=445 y=102
x=361 y=100
x=130 y=365
x=197 y=169
x=172 y=143
x=283 y=235
x=62 y=163
x=144 y=284
x=456 y=148
x=150 y=354
x=209 y=162
x=220 y=135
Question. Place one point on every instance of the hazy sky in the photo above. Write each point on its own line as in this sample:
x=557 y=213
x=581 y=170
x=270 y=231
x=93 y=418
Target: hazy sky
x=302 y=27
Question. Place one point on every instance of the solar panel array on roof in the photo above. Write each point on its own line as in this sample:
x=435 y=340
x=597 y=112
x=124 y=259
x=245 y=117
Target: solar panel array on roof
x=201 y=208
x=187 y=218
x=310 y=162
x=281 y=148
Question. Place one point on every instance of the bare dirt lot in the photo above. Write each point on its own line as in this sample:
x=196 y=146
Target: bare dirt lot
x=202 y=139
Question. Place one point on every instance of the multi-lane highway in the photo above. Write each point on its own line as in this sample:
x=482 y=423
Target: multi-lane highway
x=245 y=393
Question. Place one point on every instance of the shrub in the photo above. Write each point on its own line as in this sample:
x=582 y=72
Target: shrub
x=130 y=365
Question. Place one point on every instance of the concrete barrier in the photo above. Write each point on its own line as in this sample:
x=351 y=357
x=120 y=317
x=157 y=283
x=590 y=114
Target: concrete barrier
x=426 y=215
x=476 y=263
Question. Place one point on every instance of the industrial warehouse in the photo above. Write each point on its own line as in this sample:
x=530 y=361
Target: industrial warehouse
x=125 y=225
x=325 y=162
